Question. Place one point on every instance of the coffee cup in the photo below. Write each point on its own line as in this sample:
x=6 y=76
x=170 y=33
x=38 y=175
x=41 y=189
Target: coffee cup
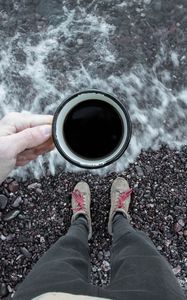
x=91 y=129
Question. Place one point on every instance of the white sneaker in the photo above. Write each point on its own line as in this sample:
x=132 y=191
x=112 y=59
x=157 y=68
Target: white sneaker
x=120 y=200
x=80 y=202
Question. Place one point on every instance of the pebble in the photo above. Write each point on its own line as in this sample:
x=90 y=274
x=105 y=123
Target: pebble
x=25 y=252
x=80 y=42
x=17 y=202
x=13 y=186
x=185 y=232
x=181 y=222
x=139 y=171
x=177 y=227
x=39 y=191
x=177 y=270
x=100 y=255
x=3 y=201
x=105 y=266
x=159 y=248
x=34 y=185
x=2 y=237
x=107 y=254
x=11 y=215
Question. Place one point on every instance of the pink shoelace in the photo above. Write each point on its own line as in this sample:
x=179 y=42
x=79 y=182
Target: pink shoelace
x=123 y=197
x=78 y=196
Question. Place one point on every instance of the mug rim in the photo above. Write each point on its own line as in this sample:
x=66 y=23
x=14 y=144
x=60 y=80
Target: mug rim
x=113 y=98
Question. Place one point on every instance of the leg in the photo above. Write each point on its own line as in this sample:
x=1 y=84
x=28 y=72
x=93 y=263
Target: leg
x=138 y=269
x=64 y=267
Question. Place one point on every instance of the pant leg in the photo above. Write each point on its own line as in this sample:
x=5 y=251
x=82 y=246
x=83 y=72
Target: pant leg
x=138 y=270
x=63 y=268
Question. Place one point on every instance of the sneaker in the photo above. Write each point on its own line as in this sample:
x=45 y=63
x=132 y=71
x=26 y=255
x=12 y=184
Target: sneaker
x=120 y=200
x=80 y=202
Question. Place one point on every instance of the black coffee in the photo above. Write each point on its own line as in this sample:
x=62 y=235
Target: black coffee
x=93 y=129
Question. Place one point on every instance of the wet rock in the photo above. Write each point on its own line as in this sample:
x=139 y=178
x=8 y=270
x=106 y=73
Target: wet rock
x=105 y=266
x=2 y=237
x=3 y=290
x=17 y=202
x=181 y=222
x=13 y=186
x=100 y=255
x=10 y=290
x=139 y=171
x=39 y=191
x=159 y=248
x=11 y=215
x=34 y=185
x=80 y=42
x=25 y=252
x=177 y=227
x=177 y=270
x=3 y=201
x=107 y=254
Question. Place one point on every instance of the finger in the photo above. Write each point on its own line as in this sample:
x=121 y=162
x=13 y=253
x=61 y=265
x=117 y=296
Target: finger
x=47 y=146
x=32 y=154
x=27 y=156
x=29 y=138
x=45 y=150
x=22 y=163
x=20 y=121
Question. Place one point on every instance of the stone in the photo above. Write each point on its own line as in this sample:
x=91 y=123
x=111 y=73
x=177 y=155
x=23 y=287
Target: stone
x=105 y=266
x=181 y=222
x=34 y=185
x=25 y=252
x=177 y=227
x=17 y=202
x=177 y=270
x=139 y=171
x=13 y=186
x=3 y=201
x=159 y=248
x=80 y=42
x=11 y=215
x=3 y=237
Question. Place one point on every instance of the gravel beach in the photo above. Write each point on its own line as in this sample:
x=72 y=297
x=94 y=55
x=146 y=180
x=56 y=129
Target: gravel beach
x=35 y=213
x=136 y=50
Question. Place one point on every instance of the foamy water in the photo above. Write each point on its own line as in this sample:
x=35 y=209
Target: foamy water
x=39 y=70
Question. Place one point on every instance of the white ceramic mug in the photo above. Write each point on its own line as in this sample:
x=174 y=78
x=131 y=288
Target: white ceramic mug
x=59 y=123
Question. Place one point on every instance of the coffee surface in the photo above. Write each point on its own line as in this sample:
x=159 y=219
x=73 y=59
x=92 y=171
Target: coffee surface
x=93 y=129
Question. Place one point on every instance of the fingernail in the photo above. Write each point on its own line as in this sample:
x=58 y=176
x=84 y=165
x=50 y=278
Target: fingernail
x=46 y=130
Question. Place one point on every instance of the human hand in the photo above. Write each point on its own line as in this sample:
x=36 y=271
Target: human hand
x=23 y=137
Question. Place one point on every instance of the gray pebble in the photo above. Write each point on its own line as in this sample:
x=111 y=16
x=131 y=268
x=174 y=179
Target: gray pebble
x=177 y=227
x=11 y=215
x=139 y=171
x=13 y=186
x=17 y=202
x=3 y=201
x=181 y=222
x=159 y=248
x=176 y=270
x=105 y=266
x=25 y=252
x=34 y=185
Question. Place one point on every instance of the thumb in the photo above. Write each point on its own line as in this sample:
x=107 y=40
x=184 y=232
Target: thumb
x=30 y=137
